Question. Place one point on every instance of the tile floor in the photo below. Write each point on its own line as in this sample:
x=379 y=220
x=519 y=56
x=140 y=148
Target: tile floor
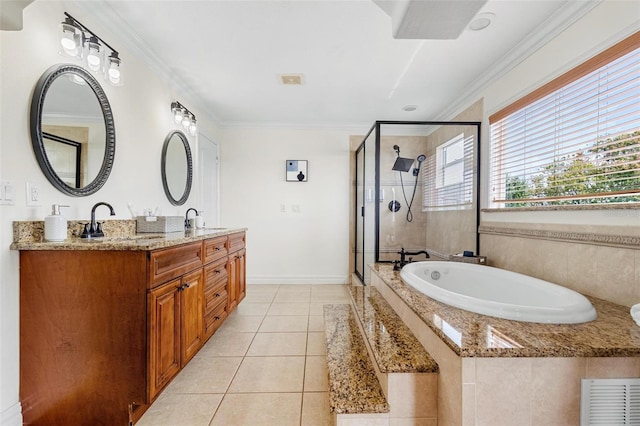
x=266 y=365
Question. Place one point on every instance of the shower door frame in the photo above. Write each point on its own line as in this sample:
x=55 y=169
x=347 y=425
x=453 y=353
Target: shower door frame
x=358 y=209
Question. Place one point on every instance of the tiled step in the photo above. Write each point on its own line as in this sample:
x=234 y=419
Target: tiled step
x=407 y=372
x=354 y=391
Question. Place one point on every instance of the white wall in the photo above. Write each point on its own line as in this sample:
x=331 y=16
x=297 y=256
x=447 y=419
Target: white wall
x=141 y=110
x=311 y=246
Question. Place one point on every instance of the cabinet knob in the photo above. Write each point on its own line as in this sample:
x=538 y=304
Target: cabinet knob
x=217 y=271
x=217 y=248
x=186 y=285
x=216 y=318
x=217 y=294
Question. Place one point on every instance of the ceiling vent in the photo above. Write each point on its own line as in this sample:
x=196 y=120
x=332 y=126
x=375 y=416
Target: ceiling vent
x=291 y=79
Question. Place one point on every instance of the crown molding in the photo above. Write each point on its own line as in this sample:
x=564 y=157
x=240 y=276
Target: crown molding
x=562 y=19
x=103 y=13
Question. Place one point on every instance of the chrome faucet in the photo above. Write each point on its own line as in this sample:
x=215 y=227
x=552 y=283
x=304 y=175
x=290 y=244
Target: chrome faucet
x=186 y=218
x=93 y=229
x=398 y=264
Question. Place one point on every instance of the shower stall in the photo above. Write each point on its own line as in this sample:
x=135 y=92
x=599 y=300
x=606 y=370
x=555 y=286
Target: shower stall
x=415 y=188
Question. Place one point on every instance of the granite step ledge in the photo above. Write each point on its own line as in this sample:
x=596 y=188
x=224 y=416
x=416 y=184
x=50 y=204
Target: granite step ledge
x=355 y=395
x=407 y=373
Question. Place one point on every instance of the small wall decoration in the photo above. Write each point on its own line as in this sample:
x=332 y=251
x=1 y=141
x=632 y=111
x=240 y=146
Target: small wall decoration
x=296 y=170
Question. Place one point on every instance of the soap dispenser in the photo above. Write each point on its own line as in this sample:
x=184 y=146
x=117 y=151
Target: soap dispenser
x=55 y=225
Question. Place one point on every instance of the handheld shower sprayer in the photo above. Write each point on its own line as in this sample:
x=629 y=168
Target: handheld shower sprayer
x=396 y=148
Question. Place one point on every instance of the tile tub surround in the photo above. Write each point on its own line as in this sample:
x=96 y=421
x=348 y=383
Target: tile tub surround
x=612 y=334
x=482 y=382
x=120 y=235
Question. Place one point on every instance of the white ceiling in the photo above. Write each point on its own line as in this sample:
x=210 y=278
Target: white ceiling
x=226 y=56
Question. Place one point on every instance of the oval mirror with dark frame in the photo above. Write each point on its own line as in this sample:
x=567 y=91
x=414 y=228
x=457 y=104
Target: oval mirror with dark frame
x=177 y=168
x=72 y=130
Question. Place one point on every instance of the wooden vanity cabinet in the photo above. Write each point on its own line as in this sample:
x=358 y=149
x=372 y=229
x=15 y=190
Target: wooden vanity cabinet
x=102 y=332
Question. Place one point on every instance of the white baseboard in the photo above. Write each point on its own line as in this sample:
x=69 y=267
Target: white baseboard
x=12 y=416
x=309 y=279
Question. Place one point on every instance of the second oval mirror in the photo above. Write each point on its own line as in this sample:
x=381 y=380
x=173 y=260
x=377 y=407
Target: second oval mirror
x=177 y=168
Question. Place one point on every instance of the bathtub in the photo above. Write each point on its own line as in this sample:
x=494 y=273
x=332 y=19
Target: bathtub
x=497 y=292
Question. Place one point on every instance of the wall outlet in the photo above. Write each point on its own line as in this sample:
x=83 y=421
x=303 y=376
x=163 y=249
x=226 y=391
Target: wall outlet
x=33 y=194
x=7 y=193
x=295 y=208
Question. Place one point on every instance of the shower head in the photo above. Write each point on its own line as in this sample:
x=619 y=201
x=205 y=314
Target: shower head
x=396 y=148
x=402 y=164
x=421 y=158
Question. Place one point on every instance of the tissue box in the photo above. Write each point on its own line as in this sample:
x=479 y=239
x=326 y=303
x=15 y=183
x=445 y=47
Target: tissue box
x=162 y=224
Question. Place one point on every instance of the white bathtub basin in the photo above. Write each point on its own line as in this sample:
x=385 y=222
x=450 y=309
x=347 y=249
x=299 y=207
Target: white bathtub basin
x=497 y=292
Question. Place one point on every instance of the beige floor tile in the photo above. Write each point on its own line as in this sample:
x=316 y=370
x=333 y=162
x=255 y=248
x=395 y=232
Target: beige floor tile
x=292 y=297
x=335 y=299
x=294 y=288
x=316 y=374
x=330 y=288
x=205 y=375
x=269 y=374
x=316 y=308
x=284 y=323
x=316 y=323
x=316 y=344
x=278 y=344
x=264 y=288
x=261 y=297
x=227 y=344
x=253 y=309
x=316 y=410
x=289 y=309
x=240 y=323
x=171 y=409
x=259 y=409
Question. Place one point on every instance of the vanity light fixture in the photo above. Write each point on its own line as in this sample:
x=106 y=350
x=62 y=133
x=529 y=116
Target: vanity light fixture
x=185 y=117
x=80 y=42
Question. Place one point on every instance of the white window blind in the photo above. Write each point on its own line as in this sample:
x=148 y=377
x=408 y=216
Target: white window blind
x=578 y=144
x=448 y=175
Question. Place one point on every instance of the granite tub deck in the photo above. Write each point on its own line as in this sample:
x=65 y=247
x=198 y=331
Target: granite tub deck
x=495 y=371
x=354 y=390
x=120 y=235
x=612 y=334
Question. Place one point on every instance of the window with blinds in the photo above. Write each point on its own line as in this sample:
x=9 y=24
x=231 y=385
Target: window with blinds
x=575 y=140
x=448 y=175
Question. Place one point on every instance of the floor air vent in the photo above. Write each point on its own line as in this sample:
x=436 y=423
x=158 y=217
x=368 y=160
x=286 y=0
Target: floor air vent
x=610 y=402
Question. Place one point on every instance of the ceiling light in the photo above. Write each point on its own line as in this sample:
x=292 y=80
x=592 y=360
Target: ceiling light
x=71 y=38
x=113 y=70
x=481 y=21
x=409 y=108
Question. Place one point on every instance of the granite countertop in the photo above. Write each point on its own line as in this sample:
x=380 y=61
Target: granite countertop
x=120 y=235
x=612 y=334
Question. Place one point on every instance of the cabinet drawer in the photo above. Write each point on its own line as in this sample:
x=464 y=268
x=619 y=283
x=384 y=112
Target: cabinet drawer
x=216 y=271
x=236 y=241
x=215 y=248
x=214 y=319
x=174 y=262
x=214 y=295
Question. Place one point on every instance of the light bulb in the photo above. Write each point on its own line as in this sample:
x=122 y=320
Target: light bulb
x=93 y=54
x=193 y=128
x=70 y=38
x=178 y=114
x=114 y=69
x=186 y=121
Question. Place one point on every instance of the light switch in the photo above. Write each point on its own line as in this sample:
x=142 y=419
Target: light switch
x=295 y=208
x=283 y=208
x=7 y=193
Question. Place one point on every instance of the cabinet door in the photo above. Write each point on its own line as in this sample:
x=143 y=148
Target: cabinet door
x=233 y=282
x=164 y=331
x=192 y=314
x=241 y=274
